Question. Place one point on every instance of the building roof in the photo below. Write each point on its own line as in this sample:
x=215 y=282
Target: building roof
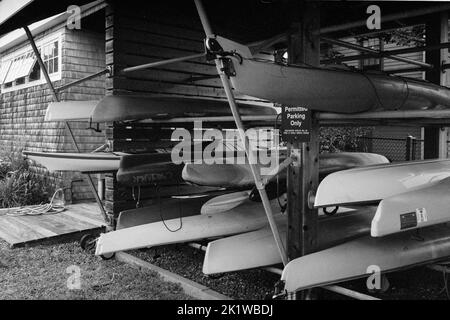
x=16 y=13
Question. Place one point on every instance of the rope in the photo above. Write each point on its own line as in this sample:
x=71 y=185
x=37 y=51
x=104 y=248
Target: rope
x=41 y=209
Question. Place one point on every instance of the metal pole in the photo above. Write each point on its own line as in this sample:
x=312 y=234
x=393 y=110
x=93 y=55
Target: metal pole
x=74 y=83
x=237 y=119
x=386 y=18
x=385 y=54
x=162 y=63
x=361 y=48
x=398 y=114
x=56 y=99
x=349 y=293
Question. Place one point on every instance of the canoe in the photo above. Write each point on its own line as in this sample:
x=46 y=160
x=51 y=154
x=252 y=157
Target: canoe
x=347 y=91
x=258 y=248
x=166 y=209
x=411 y=210
x=148 y=168
x=249 y=216
x=84 y=162
x=121 y=108
x=70 y=111
x=238 y=175
x=374 y=183
x=356 y=258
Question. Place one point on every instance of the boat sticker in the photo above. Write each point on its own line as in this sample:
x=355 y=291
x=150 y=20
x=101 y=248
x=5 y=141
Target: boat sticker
x=421 y=215
x=408 y=220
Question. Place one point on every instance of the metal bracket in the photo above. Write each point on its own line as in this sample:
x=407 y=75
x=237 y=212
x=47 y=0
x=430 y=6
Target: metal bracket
x=110 y=71
x=227 y=67
x=311 y=199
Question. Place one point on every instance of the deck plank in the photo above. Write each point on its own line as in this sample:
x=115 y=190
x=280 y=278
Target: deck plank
x=29 y=223
x=88 y=210
x=18 y=230
x=78 y=224
x=6 y=235
x=84 y=218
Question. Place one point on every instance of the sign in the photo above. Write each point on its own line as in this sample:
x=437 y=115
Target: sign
x=295 y=124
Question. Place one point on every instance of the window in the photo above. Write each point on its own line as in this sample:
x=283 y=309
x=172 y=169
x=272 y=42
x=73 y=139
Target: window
x=50 y=57
x=4 y=68
x=20 y=70
x=372 y=63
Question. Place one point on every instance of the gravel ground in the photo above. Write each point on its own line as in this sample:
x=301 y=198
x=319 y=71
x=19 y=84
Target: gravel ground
x=414 y=284
x=40 y=272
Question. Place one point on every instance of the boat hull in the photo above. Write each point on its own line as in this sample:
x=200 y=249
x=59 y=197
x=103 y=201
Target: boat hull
x=374 y=183
x=84 y=162
x=347 y=91
x=258 y=248
x=145 y=169
x=247 y=217
x=166 y=209
x=121 y=108
x=238 y=175
x=411 y=210
x=70 y=111
x=361 y=257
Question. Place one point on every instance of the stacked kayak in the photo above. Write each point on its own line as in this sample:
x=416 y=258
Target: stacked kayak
x=84 y=162
x=129 y=107
x=349 y=91
x=238 y=175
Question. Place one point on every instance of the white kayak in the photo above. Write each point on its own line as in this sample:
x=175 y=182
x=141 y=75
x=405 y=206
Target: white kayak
x=412 y=210
x=94 y=162
x=247 y=217
x=374 y=183
x=127 y=107
x=70 y=111
x=348 y=91
x=359 y=257
x=258 y=248
x=165 y=209
x=238 y=175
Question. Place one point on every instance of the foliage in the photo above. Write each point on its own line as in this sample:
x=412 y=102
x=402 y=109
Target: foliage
x=342 y=138
x=19 y=186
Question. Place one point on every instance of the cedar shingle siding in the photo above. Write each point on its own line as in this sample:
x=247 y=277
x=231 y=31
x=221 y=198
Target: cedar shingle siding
x=22 y=111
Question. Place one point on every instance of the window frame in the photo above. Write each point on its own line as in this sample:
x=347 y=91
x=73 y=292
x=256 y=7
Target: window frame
x=41 y=43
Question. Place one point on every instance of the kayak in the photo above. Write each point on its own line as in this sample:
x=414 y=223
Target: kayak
x=248 y=216
x=258 y=248
x=238 y=175
x=360 y=257
x=374 y=183
x=347 y=91
x=412 y=210
x=121 y=108
x=94 y=162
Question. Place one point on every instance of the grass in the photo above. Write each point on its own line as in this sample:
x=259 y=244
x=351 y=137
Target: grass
x=40 y=272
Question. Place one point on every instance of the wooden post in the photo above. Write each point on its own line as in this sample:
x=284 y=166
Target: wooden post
x=303 y=176
x=436 y=32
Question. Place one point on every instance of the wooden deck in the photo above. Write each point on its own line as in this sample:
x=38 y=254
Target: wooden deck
x=77 y=218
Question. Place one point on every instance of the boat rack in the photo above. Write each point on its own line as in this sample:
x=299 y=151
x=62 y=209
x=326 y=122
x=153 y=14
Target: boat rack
x=303 y=172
